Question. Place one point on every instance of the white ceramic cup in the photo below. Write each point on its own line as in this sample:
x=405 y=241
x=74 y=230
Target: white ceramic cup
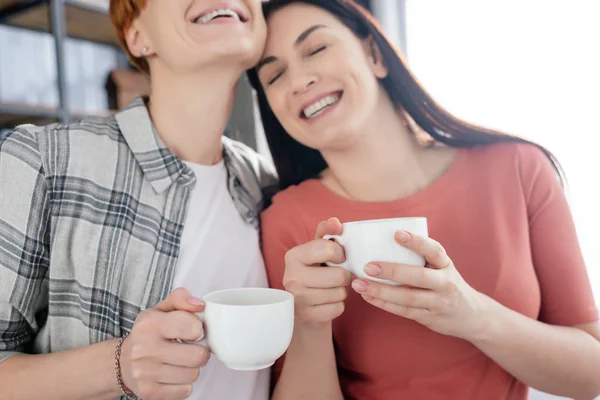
x=373 y=240
x=247 y=328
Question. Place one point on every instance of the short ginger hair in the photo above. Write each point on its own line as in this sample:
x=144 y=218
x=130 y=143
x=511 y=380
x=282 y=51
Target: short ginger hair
x=122 y=15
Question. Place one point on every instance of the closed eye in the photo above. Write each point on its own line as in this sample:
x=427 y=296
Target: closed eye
x=272 y=81
x=320 y=49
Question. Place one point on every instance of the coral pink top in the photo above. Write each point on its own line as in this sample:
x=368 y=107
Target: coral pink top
x=501 y=214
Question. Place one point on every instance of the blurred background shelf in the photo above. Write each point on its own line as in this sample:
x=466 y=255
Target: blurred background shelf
x=83 y=19
x=12 y=114
x=80 y=19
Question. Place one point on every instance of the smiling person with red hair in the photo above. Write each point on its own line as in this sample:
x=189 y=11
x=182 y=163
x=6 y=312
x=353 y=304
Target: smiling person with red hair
x=108 y=226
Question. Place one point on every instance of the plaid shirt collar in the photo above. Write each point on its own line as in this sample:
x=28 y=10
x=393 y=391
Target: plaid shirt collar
x=160 y=166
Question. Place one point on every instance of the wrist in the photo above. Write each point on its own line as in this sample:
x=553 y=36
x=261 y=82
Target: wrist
x=103 y=355
x=311 y=333
x=313 y=328
x=487 y=320
x=119 y=385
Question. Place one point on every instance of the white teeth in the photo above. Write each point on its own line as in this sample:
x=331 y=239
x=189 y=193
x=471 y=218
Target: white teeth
x=217 y=13
x=321 y=105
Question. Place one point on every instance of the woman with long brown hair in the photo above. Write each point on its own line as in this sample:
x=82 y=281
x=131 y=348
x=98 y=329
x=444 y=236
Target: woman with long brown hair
x=504 y=301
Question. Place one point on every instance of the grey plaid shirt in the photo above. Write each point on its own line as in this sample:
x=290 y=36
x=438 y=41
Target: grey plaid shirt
x=91 y=217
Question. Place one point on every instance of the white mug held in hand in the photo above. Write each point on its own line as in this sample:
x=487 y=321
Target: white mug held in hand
x=247 y=328
x=373 y=240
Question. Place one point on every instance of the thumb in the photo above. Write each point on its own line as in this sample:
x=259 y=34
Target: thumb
x=332 y=226
x=180 y=299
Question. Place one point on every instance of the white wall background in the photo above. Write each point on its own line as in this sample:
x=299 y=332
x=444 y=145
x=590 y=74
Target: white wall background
x=530 y=67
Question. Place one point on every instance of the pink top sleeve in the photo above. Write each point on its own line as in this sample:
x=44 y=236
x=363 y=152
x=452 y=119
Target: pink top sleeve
x=567 y=297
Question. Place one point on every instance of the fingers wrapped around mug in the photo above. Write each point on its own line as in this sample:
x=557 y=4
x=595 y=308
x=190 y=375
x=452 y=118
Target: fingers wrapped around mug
x=319 y=292
x=436 y=295
x=434 y=253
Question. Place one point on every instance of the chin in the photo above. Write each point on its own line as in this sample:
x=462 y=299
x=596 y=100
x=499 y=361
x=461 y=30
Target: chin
x=334 y=139
x=246 y=52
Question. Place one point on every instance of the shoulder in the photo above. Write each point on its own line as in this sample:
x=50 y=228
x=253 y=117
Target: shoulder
x=250 y=163
x=20 y=150
x=283 y=223
x=531 y=161
x=511 y=153
x=522 y=158
x=289 y=205
x=525 y=165
x=88 y=130
x=55 y=144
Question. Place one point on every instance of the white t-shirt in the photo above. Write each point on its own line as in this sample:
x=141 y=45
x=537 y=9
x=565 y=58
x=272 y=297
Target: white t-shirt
x=220 y=251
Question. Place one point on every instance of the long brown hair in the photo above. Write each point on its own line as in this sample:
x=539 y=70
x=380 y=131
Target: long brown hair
x=296 y=162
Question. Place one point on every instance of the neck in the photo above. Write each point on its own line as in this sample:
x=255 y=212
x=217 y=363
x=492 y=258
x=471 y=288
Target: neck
x=386 y=164
x=190 y=112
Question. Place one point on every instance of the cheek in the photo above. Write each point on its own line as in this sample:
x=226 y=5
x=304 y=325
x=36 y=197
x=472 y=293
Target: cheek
x=365 y=85
x=278 y=105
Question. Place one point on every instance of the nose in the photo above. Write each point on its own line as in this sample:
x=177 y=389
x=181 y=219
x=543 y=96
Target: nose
x=302 y=81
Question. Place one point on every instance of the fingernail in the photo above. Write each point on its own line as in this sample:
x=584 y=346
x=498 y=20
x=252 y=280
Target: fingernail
x=367 y=297
x=360 y=286
x=373 y=269
x=403 y=236
x=195 y=301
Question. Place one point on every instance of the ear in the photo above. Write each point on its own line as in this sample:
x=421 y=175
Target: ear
x=375 y=58
x=136 y=41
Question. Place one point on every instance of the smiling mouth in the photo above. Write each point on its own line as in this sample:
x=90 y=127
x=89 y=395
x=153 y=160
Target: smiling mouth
x=218 y=14
x=320 y=106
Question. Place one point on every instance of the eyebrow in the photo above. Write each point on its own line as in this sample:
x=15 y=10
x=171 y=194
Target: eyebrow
x=303 y=36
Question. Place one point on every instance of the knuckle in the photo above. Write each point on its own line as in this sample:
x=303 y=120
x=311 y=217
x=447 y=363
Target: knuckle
x=347 y=277
x=410 y=298
x=290 y=256
x=144 y=320
x=376 y=290
x=341 y=277
x=394 y=273
x=342 y=294
x=137 y=374
x=339 y=309
x=288 y=280
x=440 y=252
x=195 y=374
x=138 y=351
x=206 y=358
x=199 y=354
x=422 y=279
x=451 y=287
x=196 y=327
x=420 y=243
x=204 y=355
x=330 y=250
x=291 y=281
x=179 y=292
